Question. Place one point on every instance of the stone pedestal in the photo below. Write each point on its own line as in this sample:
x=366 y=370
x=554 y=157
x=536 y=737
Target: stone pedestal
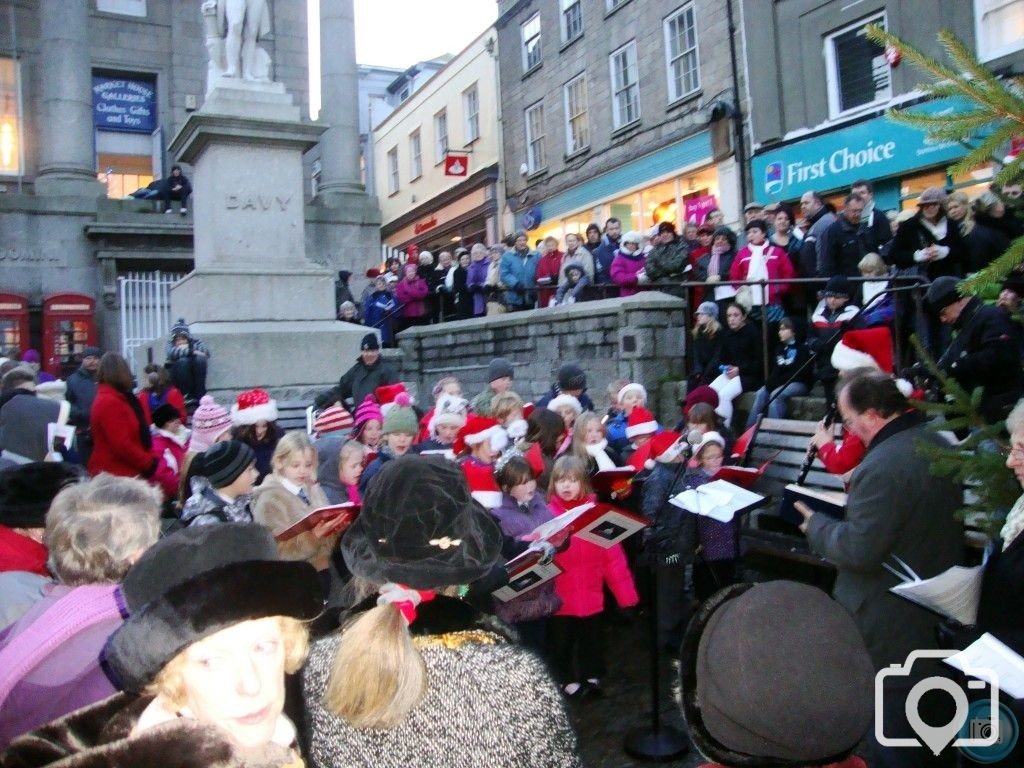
x=265 y=311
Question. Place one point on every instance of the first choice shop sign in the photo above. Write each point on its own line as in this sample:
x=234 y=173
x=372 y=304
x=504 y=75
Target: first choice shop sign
x=873 y=149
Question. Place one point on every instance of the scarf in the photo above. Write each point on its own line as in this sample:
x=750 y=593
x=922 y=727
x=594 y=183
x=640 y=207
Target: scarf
x=597 y=453
x=79 y=609
x=1014 y=524
x=757 y=269
x=715 y=262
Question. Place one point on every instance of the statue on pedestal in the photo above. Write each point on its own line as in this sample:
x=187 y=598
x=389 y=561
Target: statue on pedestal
x=232 y=29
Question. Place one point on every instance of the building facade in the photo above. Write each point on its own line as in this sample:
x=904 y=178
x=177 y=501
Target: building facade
x=436 y=156
x=817 y=107
x=617 y=108
x=91 y=94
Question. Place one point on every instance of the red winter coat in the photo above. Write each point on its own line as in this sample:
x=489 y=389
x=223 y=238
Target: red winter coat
x=778 y=265
x=412 y=295
x=549 y=265
x=174 y=399
x=20 y=553
x=170 y=455
x=586 y=568
x=117 y=446
x=840 y=459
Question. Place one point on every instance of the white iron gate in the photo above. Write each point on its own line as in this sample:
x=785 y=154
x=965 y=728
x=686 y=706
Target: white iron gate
x=145 y=309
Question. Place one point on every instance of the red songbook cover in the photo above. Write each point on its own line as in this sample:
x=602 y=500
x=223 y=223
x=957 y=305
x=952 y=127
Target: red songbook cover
x=744 y=477
x=614 y=484
x=343 y=515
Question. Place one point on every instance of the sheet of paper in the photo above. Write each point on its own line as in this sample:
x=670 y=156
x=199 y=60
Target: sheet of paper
x=988 y=652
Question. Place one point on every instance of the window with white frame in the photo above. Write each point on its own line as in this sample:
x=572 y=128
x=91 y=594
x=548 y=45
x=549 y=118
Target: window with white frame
x=392 y=170
x=999 y=27
x=572 y=19
x=535 y=158
x=122 y=7
x=681 y=53
x=10 y=118
x=613 y=4
x=577 y=127
x=415 y=155
x=531 y=42
x=471 y=113
x=625 y=85
x=857 y=72
x=440 y=136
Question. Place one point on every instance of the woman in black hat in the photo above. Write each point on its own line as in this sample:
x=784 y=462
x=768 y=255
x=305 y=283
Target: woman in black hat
x=216 y=621
x=417 y=676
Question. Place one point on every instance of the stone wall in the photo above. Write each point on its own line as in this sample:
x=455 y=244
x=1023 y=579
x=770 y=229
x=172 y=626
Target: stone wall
x=640 y=338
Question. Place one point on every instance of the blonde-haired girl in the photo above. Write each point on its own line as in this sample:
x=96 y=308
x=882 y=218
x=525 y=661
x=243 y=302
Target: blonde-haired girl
x=289 y=493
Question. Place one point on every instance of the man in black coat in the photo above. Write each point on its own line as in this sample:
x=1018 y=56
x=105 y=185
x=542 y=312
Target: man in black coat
x=984 y=353
x=845 y=242
x=368 y=373
x=81 y=392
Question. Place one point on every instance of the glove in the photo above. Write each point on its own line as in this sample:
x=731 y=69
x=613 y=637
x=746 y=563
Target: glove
x=546 y=549
x=713 y=279
x=641 y=277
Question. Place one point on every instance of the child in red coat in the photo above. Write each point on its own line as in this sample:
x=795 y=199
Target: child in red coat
x=576 y=629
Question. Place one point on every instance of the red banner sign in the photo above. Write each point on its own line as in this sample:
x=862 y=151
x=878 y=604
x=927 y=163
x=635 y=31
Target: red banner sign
x=456 y=165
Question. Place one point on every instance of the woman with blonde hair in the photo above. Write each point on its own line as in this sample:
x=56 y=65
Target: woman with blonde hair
x=216 y=622
x=417 y=676
x=982 y=241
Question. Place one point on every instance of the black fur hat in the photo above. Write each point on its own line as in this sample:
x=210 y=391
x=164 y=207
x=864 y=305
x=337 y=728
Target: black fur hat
x=784 y=643
x=421 y=527
x=27 y=490
x=197 y=582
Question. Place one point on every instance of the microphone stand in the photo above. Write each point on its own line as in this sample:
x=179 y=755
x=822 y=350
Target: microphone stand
x=658 y=743
x=773 y=396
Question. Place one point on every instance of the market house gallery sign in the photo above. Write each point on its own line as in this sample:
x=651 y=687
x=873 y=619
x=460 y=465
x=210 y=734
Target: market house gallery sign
x=120 y=104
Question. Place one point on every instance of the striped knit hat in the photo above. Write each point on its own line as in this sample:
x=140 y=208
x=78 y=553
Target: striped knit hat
x=225 y=461
x=332 y=419
x=209 y=422
x=368 y=410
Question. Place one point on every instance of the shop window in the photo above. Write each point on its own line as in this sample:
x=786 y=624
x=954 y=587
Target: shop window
x=660 y=204
x=471 y=111
x=627 y=210
x=577 y=124
x=123 y=174
x=572 y=20
x=10 y=119
x=625 y=85
x=535 y=151
x=857 y=72
x=530 y=32
x=681 y=53
x=393 y=170
x=999 y=25
x=912 y=187
x=415 y=156
x=440 y=136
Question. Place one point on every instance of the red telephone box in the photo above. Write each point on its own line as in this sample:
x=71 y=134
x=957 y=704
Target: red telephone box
x=69 y=326
x=13 y=325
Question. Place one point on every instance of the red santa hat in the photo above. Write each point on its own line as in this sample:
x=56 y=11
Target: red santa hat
x=477 y=430
x=482 y=485
x=253 y=406
x=386 y=395
x=665 y=448
x=867 y=348
x=640 y=422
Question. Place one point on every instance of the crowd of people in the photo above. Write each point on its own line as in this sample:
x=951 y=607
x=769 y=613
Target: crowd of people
x=182 y=576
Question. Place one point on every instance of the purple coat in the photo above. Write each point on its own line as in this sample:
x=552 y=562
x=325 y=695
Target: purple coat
x=624 y=270
x=476 y=276
x=514 y=522
x=69 y=677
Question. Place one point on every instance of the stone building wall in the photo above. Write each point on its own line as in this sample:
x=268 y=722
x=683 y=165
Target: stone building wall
x=640 y=338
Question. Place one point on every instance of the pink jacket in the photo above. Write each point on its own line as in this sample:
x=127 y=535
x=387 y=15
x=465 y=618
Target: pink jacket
x=778 y=265
x=170 y=456
x=623 y=272
x=586 y=568
x=412 y=296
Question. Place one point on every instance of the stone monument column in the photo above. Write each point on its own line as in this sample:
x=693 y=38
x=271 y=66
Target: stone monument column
x=66 y=161
x=339 y=108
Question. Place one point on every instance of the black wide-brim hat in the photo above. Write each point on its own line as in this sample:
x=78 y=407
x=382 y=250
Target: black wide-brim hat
x=421 y=527
x=775 y=675
x=197 y=582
